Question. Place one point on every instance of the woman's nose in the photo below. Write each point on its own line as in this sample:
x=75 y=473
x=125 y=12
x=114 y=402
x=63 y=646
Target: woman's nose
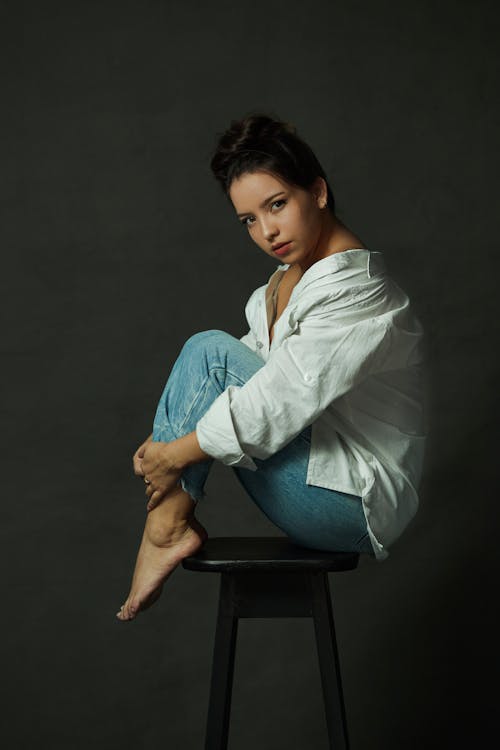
x=269 y=229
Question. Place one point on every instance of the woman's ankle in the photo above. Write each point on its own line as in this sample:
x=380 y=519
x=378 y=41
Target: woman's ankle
x=170 y=519
x=177 y=506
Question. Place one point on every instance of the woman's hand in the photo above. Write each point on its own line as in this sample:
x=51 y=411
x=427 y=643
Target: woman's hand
x=159 y=466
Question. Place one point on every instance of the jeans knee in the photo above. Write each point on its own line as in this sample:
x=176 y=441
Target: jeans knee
x=201 y=336
x=203 y=339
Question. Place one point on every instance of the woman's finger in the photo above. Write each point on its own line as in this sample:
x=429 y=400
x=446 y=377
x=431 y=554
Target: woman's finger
x=137 y=462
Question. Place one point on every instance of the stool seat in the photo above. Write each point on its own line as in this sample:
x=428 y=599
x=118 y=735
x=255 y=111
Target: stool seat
x=239 y=553
x=271 y=577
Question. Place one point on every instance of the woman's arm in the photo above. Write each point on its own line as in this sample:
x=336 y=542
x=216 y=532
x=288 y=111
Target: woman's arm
x=335 y=341
x=310 y=369
x=187 y=451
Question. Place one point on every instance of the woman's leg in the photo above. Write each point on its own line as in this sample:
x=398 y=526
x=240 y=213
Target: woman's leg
x=208 y=363
x=310 y=516
x=202 y=371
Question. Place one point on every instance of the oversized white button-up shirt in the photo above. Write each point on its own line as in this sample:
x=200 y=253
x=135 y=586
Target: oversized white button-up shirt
x=346 y=357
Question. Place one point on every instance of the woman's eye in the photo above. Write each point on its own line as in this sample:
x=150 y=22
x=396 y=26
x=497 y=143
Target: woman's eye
x=245 y=220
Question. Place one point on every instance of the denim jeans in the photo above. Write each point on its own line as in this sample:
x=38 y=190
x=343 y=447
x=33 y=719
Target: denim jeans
x=310 y=516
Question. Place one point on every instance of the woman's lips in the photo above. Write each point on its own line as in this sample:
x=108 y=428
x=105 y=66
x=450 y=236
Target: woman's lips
x=283 y=249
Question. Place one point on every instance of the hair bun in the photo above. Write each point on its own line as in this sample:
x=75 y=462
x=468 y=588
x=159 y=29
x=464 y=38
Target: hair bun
x=254 y=131
x=260 y=127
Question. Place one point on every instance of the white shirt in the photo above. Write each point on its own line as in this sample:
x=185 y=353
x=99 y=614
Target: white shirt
x=347 y=357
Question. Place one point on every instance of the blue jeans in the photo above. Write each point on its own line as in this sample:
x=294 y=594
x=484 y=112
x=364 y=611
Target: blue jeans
x=310 y=516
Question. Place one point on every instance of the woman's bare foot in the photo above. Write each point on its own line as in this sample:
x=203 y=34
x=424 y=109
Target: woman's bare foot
x=168 y=538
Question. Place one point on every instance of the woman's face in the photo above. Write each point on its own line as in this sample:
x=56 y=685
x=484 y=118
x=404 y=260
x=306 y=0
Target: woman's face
x=274 y=212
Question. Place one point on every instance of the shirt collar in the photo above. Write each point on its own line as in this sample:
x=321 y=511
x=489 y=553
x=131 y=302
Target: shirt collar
x=372 y=261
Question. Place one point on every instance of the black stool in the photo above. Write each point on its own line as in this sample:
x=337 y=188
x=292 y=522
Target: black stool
x=271 y=577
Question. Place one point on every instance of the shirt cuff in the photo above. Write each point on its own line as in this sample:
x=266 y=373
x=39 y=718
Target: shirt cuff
x=217 y=436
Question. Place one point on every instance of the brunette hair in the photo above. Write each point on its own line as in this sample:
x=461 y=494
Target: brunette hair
x=259 y=142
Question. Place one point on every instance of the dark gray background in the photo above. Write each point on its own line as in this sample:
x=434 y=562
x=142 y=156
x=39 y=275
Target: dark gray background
x=117 y=246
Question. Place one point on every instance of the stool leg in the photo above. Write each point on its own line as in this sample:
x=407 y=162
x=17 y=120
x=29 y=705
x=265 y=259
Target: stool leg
x=329 y=662
x=219 y=706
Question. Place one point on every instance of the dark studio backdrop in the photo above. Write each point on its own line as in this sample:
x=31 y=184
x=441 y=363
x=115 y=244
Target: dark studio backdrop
x=117 y=246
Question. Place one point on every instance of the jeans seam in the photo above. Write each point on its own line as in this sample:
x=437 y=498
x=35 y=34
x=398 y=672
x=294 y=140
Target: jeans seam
x=204 y=388
x=194 y=402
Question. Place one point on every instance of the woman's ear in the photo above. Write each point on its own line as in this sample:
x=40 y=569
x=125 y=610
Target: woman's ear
x=320 y=191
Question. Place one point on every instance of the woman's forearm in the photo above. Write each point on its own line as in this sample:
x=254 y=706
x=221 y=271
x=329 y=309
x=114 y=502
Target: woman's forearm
x=188 y=451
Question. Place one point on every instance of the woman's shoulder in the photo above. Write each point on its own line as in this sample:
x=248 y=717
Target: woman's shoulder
x=339 y=271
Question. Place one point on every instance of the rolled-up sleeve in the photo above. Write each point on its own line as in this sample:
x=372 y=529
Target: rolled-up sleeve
x=324 y=357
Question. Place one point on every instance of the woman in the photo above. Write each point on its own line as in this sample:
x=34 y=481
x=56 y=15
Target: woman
x=318 y=408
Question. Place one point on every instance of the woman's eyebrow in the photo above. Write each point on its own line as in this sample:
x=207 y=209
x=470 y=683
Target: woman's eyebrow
x=264 y=202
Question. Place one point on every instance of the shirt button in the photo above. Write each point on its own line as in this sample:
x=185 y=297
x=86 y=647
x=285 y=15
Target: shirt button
x=307 y=377
x=260 y=344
